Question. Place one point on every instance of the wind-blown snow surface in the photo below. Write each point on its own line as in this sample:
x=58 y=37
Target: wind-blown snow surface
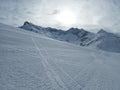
x=29 y=61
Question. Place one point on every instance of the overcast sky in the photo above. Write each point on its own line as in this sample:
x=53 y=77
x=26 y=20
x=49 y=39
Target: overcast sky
x=90 y=14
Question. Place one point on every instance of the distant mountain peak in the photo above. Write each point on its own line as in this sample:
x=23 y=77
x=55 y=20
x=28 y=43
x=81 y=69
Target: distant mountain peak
x=26 y=23
x=72 y=28
x=101 y=31
x=77 y=30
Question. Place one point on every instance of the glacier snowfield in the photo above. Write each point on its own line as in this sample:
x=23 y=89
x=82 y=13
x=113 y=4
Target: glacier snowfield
x=29 y=61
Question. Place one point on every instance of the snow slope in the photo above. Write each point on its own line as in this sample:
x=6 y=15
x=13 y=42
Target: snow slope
x=29 y=61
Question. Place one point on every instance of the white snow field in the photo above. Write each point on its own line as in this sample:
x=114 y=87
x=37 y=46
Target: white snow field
x=29 y=61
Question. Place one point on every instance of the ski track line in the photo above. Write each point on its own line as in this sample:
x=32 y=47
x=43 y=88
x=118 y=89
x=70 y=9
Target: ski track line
x=56 y=81
x=85 y=68
x=77 y=84
x=74 y=81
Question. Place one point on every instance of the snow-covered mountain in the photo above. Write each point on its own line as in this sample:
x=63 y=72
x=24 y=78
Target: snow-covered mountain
x=102 y=39
x=106 y=41
x=73 y=35
x=109 y=41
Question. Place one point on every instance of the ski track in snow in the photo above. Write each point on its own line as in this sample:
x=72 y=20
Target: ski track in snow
x=74 y=85
x=32 y=62
x=57 y=83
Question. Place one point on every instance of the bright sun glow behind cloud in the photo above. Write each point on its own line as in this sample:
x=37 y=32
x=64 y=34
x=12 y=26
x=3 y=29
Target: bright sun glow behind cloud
x=66 y=17
x=63 y=14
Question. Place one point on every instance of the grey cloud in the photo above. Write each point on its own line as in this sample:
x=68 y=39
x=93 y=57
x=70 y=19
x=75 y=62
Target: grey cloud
x=2 y=18
x=101 y=13
x=55 y=12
